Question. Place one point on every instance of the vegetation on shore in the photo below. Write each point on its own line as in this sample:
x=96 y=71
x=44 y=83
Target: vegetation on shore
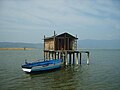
x=16 y=48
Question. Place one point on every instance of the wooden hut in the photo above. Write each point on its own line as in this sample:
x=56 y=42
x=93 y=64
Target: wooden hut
x=64 y=41
x=61 y=46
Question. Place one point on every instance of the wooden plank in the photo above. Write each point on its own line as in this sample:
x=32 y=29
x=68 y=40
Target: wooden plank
x=68 y=48
x=65 y=42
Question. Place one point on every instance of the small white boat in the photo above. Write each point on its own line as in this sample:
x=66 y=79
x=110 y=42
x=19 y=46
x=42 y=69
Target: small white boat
x=41 y=66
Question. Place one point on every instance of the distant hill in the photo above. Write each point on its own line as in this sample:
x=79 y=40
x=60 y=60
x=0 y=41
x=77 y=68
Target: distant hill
x=20 y=45
x=88 y=44
x=99 y=44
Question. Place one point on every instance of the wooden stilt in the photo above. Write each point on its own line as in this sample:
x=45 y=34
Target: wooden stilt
x=69 y=58
x=61 y=56
x=52 y=55
x=88 y=58
x=76 y=58
x=48 y=55
x=66 y=58
x=80 y=57
x=73 y=58
x=58 y=55
x=55 y=55
x=64 y=55
x=44 y=56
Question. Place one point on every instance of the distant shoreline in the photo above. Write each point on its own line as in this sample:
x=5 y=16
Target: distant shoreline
x=16 y=48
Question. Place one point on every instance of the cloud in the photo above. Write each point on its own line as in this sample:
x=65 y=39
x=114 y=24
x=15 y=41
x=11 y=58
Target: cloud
x=82 y=16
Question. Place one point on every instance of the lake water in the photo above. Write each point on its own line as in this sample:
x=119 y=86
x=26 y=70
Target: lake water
x=103 y=73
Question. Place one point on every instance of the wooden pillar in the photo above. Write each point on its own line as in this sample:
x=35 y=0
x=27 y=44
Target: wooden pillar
x=55 y=55
x=52 y=55
x=66 y=58
x=88 y=58
x=73 y=58
x=44 y=55
x=61 y=56
x=70 y=58
x=49 y=55
x=58 y=55
x=80 y=57
x=77 y=58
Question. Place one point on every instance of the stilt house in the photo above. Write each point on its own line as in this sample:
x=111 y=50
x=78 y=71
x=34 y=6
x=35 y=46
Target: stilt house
x=64 y=41
x=62 y=46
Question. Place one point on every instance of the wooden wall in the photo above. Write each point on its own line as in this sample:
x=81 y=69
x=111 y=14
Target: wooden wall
x=49 y=44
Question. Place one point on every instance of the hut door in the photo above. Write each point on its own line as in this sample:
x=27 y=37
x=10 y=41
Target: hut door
x=61 y=44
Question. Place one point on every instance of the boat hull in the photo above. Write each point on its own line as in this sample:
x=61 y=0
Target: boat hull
x=41 y=66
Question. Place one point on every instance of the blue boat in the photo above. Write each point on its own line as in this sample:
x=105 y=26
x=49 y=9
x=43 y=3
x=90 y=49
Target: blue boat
x=41 y=66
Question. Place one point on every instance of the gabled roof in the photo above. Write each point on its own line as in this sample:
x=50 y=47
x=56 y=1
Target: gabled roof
x=61 y=35
x=67 y=35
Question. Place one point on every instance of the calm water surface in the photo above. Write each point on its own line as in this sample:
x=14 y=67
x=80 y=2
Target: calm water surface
x=103 y=73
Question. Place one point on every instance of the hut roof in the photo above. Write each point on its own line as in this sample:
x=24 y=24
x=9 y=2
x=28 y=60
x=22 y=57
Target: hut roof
x=61 y=35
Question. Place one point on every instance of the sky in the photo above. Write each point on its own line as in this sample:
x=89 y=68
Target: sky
x=29 y=20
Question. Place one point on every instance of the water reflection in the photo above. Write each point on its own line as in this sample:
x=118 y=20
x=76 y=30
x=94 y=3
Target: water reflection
x=64 y=78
